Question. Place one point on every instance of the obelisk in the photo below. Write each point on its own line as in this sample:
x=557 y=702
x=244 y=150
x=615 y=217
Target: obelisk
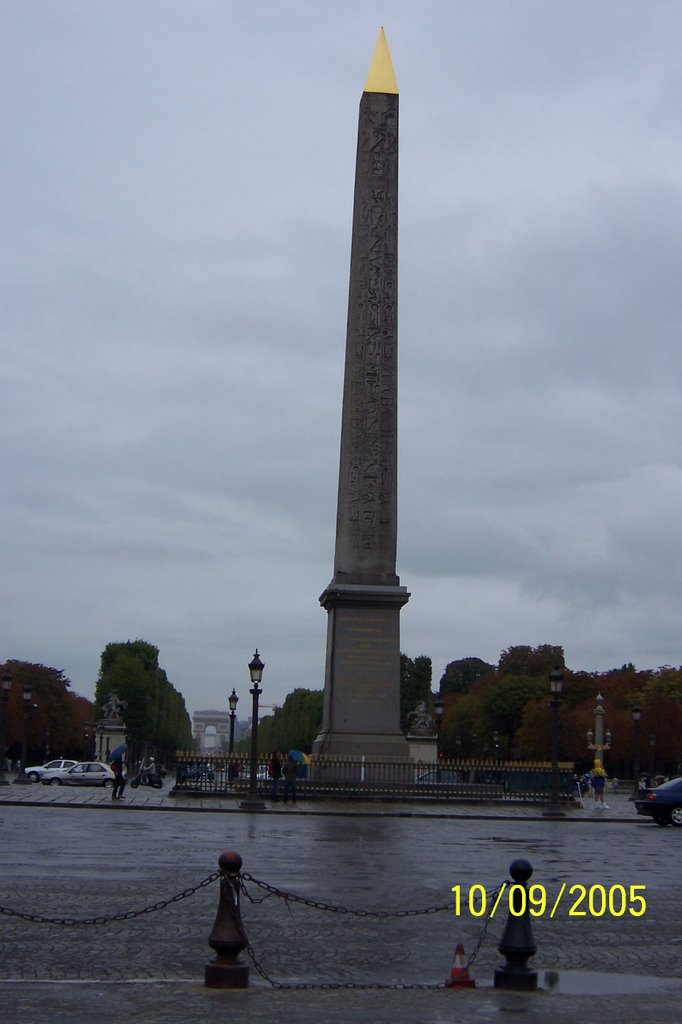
x=363 y=601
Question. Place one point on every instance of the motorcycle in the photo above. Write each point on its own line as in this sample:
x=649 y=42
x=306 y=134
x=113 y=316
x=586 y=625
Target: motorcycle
x=149 y=776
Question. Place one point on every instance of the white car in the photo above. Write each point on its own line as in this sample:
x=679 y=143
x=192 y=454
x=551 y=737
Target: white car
x=36 y=772
x=83 y=773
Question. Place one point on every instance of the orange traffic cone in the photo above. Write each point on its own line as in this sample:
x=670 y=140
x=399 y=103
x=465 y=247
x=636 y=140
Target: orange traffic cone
x=459 y=974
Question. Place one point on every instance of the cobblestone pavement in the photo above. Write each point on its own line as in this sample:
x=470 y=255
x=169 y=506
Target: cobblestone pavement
x=60 y=861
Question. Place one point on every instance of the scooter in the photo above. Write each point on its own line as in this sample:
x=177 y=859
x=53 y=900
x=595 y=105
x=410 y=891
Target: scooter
x=149 y=776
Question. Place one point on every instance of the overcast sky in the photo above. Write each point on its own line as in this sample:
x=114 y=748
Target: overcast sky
x=176 y=195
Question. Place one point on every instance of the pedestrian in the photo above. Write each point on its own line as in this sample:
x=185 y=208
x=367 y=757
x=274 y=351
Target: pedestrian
x=275 y=773
x=598 y=778
x=290 y=779
x=119 y=780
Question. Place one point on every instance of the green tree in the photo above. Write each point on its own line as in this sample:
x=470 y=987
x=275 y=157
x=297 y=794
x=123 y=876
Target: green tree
x=461 y=675
x=295 y=725
x=155 y=717
x=415 y=685
x=530 y=661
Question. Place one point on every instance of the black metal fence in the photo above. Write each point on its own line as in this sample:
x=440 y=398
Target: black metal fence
x=346 y=777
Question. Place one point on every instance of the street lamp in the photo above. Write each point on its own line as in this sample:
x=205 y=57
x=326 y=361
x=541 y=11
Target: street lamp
x=496 y=741
x=252 y=803
x=636 y=718
x=21 y=774
x=652 y=758
x=6 y=687
x=232 y=700
x=438 y=712
x=556 y=685
x=99 y=729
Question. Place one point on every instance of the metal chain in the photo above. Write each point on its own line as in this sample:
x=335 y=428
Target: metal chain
x=318 y=905
x=479 y=942
x=102 y=919
x=291 y=897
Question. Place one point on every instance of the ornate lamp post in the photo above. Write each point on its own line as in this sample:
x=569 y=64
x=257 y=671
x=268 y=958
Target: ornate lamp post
x=556 y=685
x=6 y=687
x=636 y=718
x=232 y=700
x=252 y=803
x=28 y=696
x=438 y=712
x=600 y=743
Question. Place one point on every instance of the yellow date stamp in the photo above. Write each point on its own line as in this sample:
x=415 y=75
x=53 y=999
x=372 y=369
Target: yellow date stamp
x=577 y=900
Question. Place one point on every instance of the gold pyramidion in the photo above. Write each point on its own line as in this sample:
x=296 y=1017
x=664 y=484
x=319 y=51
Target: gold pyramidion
x=381 y=76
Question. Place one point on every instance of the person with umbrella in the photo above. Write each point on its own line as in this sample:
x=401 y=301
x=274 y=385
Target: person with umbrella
x=116 y=765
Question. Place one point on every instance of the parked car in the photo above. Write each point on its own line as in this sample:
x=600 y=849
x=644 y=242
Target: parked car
x=662 y=803
x=36 y=771
x=85 y=773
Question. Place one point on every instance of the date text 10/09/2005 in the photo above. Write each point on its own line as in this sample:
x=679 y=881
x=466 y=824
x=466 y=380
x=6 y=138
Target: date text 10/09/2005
x=595 y=900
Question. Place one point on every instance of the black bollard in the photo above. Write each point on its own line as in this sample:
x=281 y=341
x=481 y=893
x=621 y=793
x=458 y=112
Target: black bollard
x=227 y=937
x=517 y=944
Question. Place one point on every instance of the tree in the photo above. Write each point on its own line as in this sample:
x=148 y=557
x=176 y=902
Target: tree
x=56 y=716
x=155 y=718
x=295 y=725
x=415 y=685
x=530 y=661
x=461 y=675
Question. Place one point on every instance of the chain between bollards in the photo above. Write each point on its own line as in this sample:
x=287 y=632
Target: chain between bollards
x=228 y=936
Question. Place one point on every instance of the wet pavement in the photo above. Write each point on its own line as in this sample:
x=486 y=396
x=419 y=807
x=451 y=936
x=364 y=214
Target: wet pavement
x=59 y=861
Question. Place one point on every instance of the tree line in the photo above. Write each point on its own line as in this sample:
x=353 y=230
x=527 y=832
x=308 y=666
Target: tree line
x=60 y=723
x=503 y=711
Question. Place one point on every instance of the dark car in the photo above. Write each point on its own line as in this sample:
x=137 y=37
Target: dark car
x=663 y=804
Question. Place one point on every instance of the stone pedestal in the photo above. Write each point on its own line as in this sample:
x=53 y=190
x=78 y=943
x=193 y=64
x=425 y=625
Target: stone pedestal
x=362 y=678
x=109 y=735
x=423 y=748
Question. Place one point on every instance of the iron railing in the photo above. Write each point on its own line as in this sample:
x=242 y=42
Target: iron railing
x=347 y=777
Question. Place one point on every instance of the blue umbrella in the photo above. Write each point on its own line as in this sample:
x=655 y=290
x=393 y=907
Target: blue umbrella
x=118 y=752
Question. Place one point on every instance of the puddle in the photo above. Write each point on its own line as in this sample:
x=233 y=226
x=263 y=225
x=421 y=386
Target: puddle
x=592 y=983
